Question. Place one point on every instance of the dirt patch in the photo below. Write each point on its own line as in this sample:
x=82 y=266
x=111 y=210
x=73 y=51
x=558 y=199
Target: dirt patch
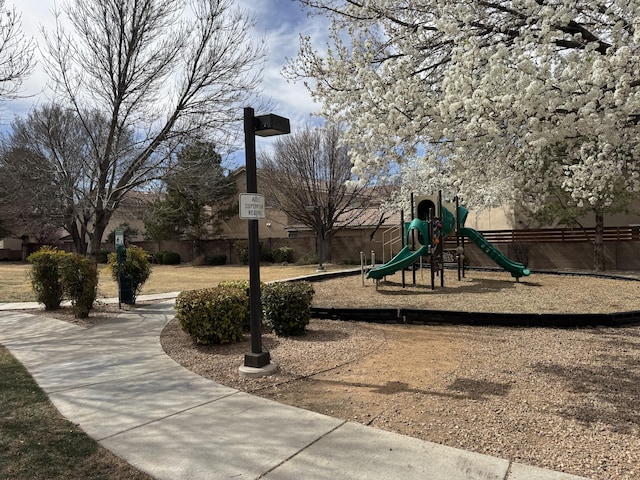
x=480 y=291
x=410 y=360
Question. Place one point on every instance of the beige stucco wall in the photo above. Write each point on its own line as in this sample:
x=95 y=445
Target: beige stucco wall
x=11 y=243
x=272 y=226
x=500 y=218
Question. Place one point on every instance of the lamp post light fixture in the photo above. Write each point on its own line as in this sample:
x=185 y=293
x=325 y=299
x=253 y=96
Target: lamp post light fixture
x=263 y=126
x=318 y=218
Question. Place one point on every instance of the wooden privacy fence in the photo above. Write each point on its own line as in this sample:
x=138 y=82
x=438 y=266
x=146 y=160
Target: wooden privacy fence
x=552 y=235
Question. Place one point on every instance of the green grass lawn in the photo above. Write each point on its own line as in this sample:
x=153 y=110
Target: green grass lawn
x=37 y=442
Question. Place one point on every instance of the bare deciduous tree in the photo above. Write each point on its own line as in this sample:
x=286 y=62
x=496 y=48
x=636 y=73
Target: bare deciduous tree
x=309 y=177
x=49 y=173
x=153 y=68
x=16 y=53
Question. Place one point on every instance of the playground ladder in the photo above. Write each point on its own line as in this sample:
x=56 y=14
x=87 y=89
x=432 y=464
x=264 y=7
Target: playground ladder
x=390 y=237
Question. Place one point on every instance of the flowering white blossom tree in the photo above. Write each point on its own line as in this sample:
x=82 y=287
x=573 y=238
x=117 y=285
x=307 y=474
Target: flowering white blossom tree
x=423 y=175
x=539 y=97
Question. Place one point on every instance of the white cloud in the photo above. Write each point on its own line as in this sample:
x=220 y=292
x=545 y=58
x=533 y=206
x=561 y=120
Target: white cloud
x=278 y=22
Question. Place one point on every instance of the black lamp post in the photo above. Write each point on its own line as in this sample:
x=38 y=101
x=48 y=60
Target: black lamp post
x=263 y=126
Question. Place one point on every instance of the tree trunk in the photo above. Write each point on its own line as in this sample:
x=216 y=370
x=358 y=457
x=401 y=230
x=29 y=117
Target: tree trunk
x=79 y=241
x=95 y=237
x=326 y=243
x=196 y=248
x=598 y=243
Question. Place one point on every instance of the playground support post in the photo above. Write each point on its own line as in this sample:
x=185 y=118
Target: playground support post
x=413 y=239
x=459 y=242
x=441 y=243
x=433 y=250
x=403 y=235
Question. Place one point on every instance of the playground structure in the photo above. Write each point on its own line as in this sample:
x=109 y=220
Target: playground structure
x=424 y=237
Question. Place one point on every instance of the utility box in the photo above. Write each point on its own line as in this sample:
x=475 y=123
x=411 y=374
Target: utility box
x=126 y=290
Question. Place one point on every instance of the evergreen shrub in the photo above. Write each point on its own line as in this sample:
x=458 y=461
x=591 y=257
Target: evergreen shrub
x=266 y=256
x=79 y=279
x=283 y=255
x=170 y=258
x=45 y=276
x=241 y=247
x=157 y=257
x=219 y=259
x=286 y=307
x=213 y=315
x=308 y=259
x=137 y=266
x=242 y=287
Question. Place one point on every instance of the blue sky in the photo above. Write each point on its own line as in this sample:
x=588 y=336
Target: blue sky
x=279 y=22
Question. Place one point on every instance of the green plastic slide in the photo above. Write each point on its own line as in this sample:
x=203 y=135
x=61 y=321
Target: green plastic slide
x=516 y=269
x=403 y=259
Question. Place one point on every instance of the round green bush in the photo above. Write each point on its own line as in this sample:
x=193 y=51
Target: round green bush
x=170 y=258
x=219 y=259
x=45 y=276
x=283 y=255
x=242 y=287
x=137 y=266
x=157 y=257
x=213 y=315
x=286 y=307
x=79 y=278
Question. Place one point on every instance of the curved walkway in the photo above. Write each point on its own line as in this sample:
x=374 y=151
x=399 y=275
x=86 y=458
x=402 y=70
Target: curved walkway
x=115 y=381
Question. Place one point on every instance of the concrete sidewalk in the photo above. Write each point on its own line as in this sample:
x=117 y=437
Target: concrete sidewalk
x=115 y=381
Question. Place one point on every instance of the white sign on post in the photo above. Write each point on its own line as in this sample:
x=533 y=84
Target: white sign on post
x=119 y=236
x=252 y=206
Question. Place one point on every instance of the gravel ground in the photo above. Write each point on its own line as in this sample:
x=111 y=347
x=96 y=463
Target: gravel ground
x=556 y=398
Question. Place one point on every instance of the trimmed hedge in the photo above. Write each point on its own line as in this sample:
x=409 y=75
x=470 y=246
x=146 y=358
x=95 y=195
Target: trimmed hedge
x=157 y=257
x=57 y=275
x=165 y=257
x=287 y=307
x=171 y=258
x=243 y=289
x=220 y=259
x=45 y=276
x=220 y=314
x=79 y=278
x=213 y=315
